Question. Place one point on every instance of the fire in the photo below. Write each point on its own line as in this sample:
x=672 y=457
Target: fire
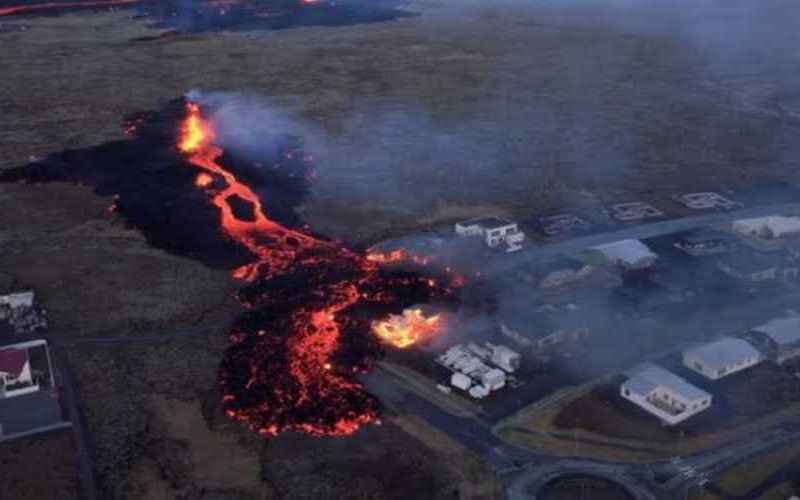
x=196 y=132
x=396 y=256
x=405 y=330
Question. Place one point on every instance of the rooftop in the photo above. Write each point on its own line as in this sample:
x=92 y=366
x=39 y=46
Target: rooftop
x=649 y=377
x=778 y=224
x=12 y=361
x=723 y=352
x=627 y=251
x=781 y=330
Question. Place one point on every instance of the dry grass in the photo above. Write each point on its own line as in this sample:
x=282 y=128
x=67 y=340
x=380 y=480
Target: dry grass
x=741 y=479
x=606 y=445
x=39 y=468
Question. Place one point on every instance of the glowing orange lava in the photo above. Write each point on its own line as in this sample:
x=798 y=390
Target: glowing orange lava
x=203 y=180
x=315 y=334
x=405 y=330
x=196 y=140
x=283 y=370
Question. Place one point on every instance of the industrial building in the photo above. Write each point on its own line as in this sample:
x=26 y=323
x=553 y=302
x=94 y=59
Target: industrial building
x=664 y=394
x=627 y=254
x=479 y=370
x=780 y=338
x=496 y=232
x=722 y=357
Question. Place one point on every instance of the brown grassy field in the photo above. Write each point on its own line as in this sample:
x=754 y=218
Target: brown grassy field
x=39 y=468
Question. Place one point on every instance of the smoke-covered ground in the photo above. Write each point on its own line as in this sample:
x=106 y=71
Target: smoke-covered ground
x=517 y=105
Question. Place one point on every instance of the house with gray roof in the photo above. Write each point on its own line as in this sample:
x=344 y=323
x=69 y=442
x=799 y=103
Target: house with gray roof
x=781 y=337
x=664 y=394
x=723 y=357
x=627 y=254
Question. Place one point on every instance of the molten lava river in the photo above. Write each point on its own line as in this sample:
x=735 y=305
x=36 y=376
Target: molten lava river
x=312 y=305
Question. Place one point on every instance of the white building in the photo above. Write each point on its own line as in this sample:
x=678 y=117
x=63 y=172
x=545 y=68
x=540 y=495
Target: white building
x=767 y=232
x=470 y=372
x=664 y=394
x=495 y=231
x=460 y=381
x=782 y=337
x=627 y=254
x=16 y=378
x=504 y=357
x=17 y=300
x=722 y=357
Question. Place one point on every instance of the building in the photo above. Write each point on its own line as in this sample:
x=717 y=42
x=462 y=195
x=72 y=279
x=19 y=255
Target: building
x=767 y=233
x=781 y=337
x=541 y=331
x=562 y=274
x=505 y=358
x=722 y=357
x=627 y=254
x=699 y=243
x=758 y=267
x=460 y=381
x=496 y=232
x=16 y=378
x=664 y=394
x=17 y=300
x=463 y=361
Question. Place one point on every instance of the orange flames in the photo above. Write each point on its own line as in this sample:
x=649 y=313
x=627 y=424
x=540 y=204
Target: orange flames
x=407 y=329
x=397 y=256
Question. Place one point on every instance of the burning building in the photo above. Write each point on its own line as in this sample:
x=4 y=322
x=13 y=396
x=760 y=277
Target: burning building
x=406 y=329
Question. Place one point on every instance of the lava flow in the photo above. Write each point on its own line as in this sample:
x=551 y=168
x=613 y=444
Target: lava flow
x=294 y=354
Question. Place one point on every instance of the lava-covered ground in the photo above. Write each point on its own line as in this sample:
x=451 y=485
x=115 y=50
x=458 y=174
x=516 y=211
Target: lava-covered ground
x=190 y=16
x=310 y=301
